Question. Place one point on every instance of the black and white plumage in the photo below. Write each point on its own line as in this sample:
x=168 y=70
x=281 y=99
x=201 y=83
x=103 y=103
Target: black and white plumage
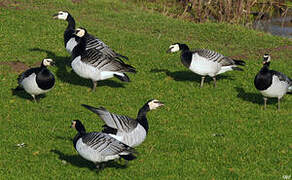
x=90 y=62
x=70 y=40
x=205 y=62
x=123 y=128
x=272 y=83
x=37 y=80
x=99 y=147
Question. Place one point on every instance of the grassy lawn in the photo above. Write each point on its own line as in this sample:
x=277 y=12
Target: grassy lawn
x=207 y=133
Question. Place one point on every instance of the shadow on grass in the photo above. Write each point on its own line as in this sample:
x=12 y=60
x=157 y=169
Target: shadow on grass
x=24 y=95
x=78 y=161
x=62 y=63
x=188 y=76
x=255 y=98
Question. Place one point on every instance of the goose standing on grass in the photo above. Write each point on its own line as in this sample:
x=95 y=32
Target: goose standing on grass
x=38 y=80
x=92 y=63
x=125 y=129
x=70 y=40
x=99 y=147
x=272 y=83
x=205 y=62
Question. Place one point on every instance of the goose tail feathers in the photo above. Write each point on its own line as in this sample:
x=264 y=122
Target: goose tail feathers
x=239 y=62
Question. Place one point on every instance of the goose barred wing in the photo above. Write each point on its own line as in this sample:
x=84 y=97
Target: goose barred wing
x=95 y=43
x=122 y=123
x=96 y=58
x=215 y=57
x=105 y=144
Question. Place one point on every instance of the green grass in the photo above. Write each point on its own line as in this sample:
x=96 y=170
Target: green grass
x=206 y=133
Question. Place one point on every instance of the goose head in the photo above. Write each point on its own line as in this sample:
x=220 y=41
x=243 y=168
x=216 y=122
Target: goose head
x=48 y=62
x=63 y=15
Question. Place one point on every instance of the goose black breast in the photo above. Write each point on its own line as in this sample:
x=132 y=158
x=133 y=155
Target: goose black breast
x=68 y=35
x=186 y=58
x=263 y=81
x=45 y=79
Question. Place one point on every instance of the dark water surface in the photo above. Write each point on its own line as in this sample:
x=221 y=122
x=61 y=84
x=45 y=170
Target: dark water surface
x=281 y=26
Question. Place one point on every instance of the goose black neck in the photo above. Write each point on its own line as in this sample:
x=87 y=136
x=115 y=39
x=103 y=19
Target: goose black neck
x=142 y=119
x=265 y=67
x=71 y=22
x=80 y=47
x=81 y=130
x=43 y=66
x=184 y=47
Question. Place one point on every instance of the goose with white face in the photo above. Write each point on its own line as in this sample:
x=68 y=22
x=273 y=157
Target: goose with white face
x=173 y=48
x=61 y=15
x=267 y=58
x=154 y=104
x=48 y=62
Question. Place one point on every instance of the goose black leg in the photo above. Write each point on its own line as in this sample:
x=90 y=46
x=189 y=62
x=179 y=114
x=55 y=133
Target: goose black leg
x=94 y=85
x=265 y=103
x=202 y=81
x=214 y=79
x=279 y=103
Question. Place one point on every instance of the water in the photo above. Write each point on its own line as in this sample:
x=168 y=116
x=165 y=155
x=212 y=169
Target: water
x=281 y=26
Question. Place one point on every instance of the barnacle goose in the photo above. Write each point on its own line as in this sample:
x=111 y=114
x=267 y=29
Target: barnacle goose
x=90 y=62
x=272 y=83
x=125 y=129
x=92 y=42
x=70 y=40
x=37 y=80
x=205 y=62
x=99 y=147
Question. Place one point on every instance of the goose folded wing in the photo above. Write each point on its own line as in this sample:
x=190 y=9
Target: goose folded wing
x=96 y=58
x=105 y=144
x=95 y=43
x=210 y=55
x=282 y=77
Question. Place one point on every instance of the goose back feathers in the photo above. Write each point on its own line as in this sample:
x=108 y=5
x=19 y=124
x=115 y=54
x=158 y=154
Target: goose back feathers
x=127 y=130
x=99 y=147
x=91 y=63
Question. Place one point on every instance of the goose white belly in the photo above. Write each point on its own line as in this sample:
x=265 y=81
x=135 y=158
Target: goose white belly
x=92 y=155
x=30 y=86
x=70 y=45
x=133 y=138
x=277 y=89
x=203 y=66
x=89 y=72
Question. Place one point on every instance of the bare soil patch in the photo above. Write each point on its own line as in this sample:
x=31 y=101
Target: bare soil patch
x=10 y=4
x=16 y=66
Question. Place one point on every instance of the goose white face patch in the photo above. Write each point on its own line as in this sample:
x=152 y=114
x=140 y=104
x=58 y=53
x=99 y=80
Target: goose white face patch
x=80 y=33
x=47 y=62
x=267 y=58
x=62 y=15
x=174 y=48
x=154 y=104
